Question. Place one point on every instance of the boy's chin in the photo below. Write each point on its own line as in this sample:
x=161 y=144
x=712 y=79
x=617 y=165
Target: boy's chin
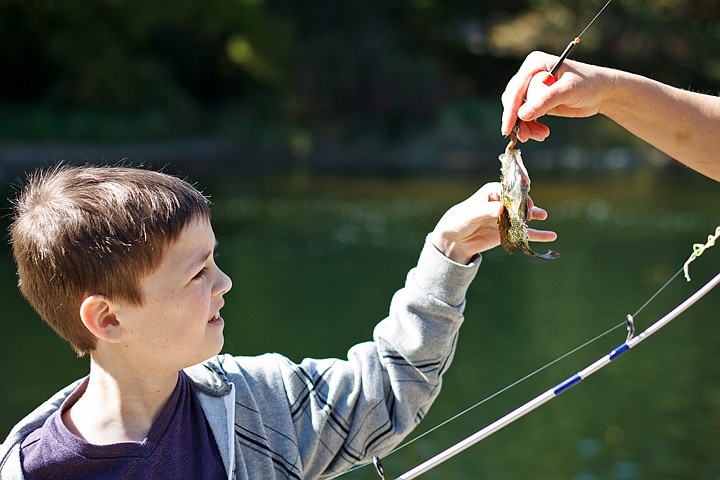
x=219 y=347
x=211 y=352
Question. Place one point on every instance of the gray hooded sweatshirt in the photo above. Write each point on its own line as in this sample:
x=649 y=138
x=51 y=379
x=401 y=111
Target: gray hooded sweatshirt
x=275 y=419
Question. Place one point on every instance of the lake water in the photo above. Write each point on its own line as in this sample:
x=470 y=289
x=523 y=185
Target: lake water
x=314 y=263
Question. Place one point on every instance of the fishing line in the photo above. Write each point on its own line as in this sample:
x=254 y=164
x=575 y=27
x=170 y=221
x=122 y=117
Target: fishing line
x=659 y=291
x=631 y=341
x=525 y=378
x=574 y=42
x=544 y=367
x=698 y=249
x=505 y=389
x=493 y=395
x=539 y=370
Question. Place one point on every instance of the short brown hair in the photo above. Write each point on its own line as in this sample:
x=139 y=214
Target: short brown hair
x=86 y=230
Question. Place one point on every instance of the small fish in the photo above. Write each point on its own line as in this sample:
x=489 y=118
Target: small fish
x=515 y=183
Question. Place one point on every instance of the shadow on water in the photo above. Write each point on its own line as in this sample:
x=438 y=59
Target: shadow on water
x=315 y=260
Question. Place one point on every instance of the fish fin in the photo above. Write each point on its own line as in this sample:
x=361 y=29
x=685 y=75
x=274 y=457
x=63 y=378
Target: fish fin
x=549 y=255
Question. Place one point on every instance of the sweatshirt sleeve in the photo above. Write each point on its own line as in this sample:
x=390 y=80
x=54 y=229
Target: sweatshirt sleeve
x=345 y=411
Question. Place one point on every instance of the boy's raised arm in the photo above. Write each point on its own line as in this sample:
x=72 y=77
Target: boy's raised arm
x=342 y=412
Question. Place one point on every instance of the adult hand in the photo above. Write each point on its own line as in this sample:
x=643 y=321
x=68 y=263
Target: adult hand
x=676 y=121
x=577 y=90
x=470 y=227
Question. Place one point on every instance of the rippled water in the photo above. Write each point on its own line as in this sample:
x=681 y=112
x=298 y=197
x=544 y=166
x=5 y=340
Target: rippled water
x=314 y=263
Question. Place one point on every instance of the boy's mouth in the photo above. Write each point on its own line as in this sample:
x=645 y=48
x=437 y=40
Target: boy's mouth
x=216 y=318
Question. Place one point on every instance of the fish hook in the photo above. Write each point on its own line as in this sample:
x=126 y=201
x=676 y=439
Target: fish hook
x=513 y=138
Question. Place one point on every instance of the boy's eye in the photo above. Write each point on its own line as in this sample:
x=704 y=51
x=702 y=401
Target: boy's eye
x=201 y=273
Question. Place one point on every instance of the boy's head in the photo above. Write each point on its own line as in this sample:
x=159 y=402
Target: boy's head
x=80 y=231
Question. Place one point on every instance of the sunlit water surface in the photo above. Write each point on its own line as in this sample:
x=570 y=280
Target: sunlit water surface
x=315 y=261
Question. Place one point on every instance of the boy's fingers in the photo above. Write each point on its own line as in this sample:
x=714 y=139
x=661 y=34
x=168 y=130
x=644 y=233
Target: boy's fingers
x=489 y=210
x=541 y=235
x=537 y=213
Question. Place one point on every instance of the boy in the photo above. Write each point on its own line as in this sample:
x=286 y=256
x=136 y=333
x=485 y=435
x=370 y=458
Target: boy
x=119 y=261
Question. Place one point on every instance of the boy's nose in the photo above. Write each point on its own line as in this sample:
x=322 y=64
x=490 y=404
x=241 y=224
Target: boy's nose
x=223 y=284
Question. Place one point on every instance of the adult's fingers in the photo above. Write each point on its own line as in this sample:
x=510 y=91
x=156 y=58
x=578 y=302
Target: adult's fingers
x=516 y=90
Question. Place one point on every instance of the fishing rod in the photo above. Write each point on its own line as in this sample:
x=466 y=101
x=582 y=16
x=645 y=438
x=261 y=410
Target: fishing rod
x=571 y=45
x=631 y=342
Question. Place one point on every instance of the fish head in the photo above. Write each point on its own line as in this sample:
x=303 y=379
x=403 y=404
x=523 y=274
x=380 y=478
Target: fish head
x=513 y=174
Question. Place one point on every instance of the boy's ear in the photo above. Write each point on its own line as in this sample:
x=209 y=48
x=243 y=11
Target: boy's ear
x=97 y=315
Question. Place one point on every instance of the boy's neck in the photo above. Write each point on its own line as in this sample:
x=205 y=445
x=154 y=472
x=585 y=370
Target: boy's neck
x=119 y=406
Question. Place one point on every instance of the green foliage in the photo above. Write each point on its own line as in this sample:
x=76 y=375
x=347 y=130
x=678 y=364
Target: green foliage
x=331 y=72
x=130 y=54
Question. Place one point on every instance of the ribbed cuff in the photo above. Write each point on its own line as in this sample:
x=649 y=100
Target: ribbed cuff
x=443 y=278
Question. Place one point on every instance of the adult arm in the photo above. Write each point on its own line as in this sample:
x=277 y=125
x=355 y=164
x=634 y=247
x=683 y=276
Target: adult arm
x=676 y=121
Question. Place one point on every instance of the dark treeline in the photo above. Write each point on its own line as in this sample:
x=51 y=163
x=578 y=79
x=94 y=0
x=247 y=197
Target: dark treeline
x=308 y=73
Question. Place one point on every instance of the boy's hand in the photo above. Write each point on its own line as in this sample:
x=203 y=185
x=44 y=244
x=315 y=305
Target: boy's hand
x=470 y=227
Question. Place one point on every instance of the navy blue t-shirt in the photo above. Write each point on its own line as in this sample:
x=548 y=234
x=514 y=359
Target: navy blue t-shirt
x=179 y=445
